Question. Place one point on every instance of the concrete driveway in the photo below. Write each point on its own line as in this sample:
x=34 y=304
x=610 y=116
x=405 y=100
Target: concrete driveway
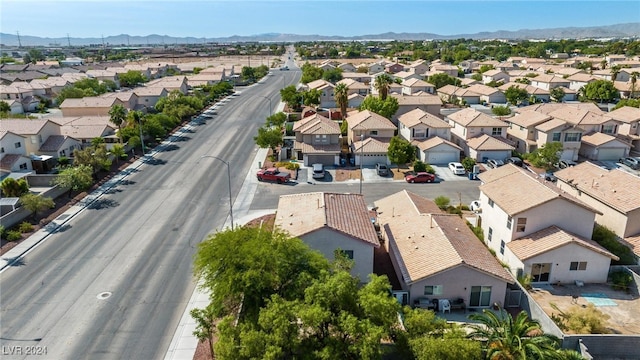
x=444 y=174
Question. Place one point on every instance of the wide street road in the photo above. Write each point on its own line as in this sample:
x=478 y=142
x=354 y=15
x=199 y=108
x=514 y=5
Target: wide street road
x=115 y=282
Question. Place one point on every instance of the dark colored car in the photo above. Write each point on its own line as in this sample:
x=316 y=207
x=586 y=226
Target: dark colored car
x=563 y=164
x=548 y=176
x=421 y=177
x=631 y=162
x=514 y=160
x=494 y=164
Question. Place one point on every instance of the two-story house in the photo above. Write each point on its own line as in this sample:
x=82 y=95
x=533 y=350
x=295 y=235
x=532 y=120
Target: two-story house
x=355 y=87
x=430 y=135
x=171 y=83
x=327 y=97
x=603 y=147
x=13 y=155
x=522 y=129
x=495 y=75
x=330 y=222
x=369 y=135
x=469 y=123
x=629 y=119
x=454 y=95
x=317 y=140
x=91 y=105
x=148 y=97
x=556 y=130
x=412 y=86
x=540 y=94
x=488 y=94
x=550 y=81
x=539 y=230
x=436 y=255
x=425 y=102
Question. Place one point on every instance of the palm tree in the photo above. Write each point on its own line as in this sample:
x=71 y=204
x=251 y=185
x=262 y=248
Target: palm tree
x=506 y=338
x=634 y=79
x=614 y=72
x=342 y=98
x=383 y=84
x=118 y=114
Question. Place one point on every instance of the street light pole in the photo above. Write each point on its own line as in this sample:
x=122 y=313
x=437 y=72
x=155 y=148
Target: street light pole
x=140 y=127
x=229 y=178
x=270 y=110
x=361 y=159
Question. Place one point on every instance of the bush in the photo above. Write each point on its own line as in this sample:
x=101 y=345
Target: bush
x=442 y=202
x=63 y=161
x=468 y=163
x=621 y=280
x=525 y=281
x=609 y=240
x=419 y=166
x=2 y=231
x=430 y=169
x=25 y=227
x=292 y=166
x=13 y=235
x=581 y=320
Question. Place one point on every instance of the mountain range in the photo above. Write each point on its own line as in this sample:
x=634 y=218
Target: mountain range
x=610 y=31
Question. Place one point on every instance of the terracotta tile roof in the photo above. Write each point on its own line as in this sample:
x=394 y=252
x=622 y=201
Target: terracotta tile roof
x=8 y=160
x=87 y=131
x=483 y=89
x=419 y=116
x=317 y=149
x=457 y=91
x=549 y=239
x=301 y=214
x=319 y=84
x=486 y=142
x=149 y=91
x=368 y=120
x=53 y=143
x=90 y=102
x=529 y=118
x=433 y=142
x=417 y=100
x=471 y=117
x=426 y=242
x=615 y=188
x=372 y=146
x=598 y=138
x=579 y=116
x=549 y=78
x=416 y=82
x=82 y=120
x=23 y=126
x=547 y=108
x=626 y=114
x=633 y=242
x=531 y=90
x=551 y=125
x=582 y=77
x=353 y=84
x=504 y=186
x=316 y=124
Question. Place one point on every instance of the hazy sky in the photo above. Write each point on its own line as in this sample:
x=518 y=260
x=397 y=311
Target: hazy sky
x=91 y=18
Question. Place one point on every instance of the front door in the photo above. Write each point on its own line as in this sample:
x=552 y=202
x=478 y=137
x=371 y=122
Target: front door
x=480 y=296
x=540 y=272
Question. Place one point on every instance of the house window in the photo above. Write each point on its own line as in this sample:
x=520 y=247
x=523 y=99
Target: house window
x=574 y=137
x=464 y=132
x=491 y=202
x=63 y=153
x=321 y=139
x=509 y=221
x=609 y=129
x=555 y=136
x=490 y=234
x=480 y=296
x=522 y=128
x=23 y=166
x=18 y=145
x=419 y=133
x=578 y=265
x=522 y=223
x=348 y=254
x=1 y=150
x=373 y=133
x=433 y=290
x=502 y=247
x=496 y=131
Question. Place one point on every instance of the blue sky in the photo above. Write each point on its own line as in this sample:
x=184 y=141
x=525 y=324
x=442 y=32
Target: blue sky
x=91 y=18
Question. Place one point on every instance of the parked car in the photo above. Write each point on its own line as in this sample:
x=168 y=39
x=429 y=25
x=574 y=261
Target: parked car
x=631 y=162
x=382 y=169
x=421 y=177
x=318 y=171
x=475 y=205
x=272 y=174
x=563 y=164
x=494 y=164
x=457 y=168
x=514 y=160
x=548 y=176
x=284 y=68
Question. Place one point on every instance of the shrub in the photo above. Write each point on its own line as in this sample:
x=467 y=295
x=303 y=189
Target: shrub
x=419 y=166
x=430 y=169
x=2 y=231
x=525 y=281
x=468 y=163
x=621 y=280
x=13 y=235
x=63 y=161
x=581 y=320
x=609 y=240
x=25 y=227
x=292 y=166
x=442 y=202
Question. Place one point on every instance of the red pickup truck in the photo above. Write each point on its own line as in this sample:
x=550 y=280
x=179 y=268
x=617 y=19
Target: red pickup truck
x=272 y=174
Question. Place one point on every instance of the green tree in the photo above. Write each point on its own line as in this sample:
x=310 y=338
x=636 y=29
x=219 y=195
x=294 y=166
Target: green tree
x=332 y=75
x=515 y=95
x=131 y=78
x=269 y=137
x=504 y=337
x=447 y=348
x=14 y=188
x=118 y=153
x=4 y=107
x=311 y=97
x=248 y=73
x=501 y=110
x=609 y=240
x=382 y=83
x=291 y=97
x=310 y=73
x=600 y=91
x=95 y=156
x=276 y=120
x=248 y=265
x=341 y=95
x=547 y=156
x=205 y=325
x=632 y=87
x=627 y=102
x=117 y=116
x=386 y=108
x=77 y=178
x=468 y=163
x=557 y=94
x=400 y=151
x=35 y=203
x=441 y=79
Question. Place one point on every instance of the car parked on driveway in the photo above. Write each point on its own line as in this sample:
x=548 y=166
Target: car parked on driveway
x=548 y=176
x=457 y=168
x=318 y=171
x=563 y=164
x=631 y=162
x=494 y=164
x=382 y=169
x=421 y=177
x=514 y=160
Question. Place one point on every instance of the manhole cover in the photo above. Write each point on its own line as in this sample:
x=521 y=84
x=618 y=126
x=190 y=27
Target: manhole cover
x=103 y=295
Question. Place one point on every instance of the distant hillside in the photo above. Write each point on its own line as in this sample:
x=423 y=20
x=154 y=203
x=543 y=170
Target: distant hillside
x=610 y=31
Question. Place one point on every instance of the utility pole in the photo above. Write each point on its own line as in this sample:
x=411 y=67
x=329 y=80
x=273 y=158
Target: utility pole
x=68 y=40
x=19 y=42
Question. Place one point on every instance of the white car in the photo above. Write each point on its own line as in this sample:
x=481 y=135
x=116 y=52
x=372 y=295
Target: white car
x=475 y=205
x=318 y=171
x=457 y=168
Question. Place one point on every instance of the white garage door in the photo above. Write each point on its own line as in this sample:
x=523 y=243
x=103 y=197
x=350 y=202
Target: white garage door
x=496 y=155
x=569 y=154
x=442 y=157
x=371 y=160
x=610 y=154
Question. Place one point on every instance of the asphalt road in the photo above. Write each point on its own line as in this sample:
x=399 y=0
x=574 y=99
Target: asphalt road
x=115 y=282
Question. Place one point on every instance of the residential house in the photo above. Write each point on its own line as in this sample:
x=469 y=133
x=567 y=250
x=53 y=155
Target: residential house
x=586 y=119
x=13 y=155
x=495 y=75
x=484 y=147
x=629 y=119
x=436 y=255
x=579 y=80
x=418 y=124
x=423 y=101
x=393 y=68
x=454 y=95
x=35 y=131
x=557 y=130
x=15 y=106
x=418 y=67
x=522 y=130
x=602 y=147
x=436 y=150
x=24 y=94
x=450 y=70
x=149 y=96
x=355 y=87
x=170 y=83
x=317 y=140
x=540 y=94
x=469 y=123
x=347 y=67
x=549 y=81
x=371 y=151
x=129 y=98
x=141 y=68
x=204 y=79
x=614 y=193
x=91 y=105
x=368 y=124
x=356 y=76
x=327 y=97
x=406 y=75
x=58 y=146
x=375 y=68
x=330 y=222
x=539 y=230
x=52 y=85
x=413 y=86
x=103 y=75
x=488 y=94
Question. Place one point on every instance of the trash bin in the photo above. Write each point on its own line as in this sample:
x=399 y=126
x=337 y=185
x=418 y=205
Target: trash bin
x=470 y=176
